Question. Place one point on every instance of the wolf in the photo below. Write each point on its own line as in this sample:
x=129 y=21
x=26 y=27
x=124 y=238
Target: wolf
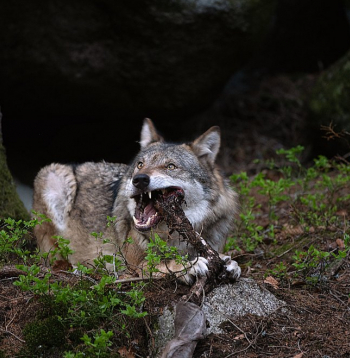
x=78 y=199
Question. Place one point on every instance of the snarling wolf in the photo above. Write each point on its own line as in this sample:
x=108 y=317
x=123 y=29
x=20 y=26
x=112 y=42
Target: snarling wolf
x=78 y=199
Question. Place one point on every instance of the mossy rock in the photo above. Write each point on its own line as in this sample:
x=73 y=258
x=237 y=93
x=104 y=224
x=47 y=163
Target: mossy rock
x=10 y=203
x=329 y=101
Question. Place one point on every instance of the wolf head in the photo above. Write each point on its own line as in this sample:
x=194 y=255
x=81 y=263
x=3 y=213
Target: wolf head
x=180 y=169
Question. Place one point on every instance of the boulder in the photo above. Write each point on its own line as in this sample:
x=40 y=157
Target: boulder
x=96 y=59
x=306 y=36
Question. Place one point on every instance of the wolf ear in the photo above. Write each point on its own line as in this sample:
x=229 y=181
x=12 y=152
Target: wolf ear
x=149 y=134
x=207 y=145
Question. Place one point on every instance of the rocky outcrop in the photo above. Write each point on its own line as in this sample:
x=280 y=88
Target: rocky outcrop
x=88 y=58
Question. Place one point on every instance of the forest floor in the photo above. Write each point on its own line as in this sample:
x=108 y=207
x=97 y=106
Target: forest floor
x=315 y=324
x=293 y=239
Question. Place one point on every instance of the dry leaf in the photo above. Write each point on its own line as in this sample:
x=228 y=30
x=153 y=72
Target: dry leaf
x=126 y=353
x=297 y=283
x=239 y=338
x=271 y=281
x=289 y=230
x=340 y=243
x=299 y=355
x=342 y=213
x=62 y=265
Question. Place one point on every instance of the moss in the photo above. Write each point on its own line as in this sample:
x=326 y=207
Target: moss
x=10 y=203
x=43 y=335
x=329 y=100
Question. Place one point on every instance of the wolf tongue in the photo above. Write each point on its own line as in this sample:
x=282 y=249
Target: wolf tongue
x=149 y=210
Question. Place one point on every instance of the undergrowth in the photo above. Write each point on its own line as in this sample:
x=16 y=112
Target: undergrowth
x=74 y=310
x=299 y=202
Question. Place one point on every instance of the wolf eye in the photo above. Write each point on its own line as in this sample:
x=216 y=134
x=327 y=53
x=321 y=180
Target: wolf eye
x=139 y=165
x=171 y=166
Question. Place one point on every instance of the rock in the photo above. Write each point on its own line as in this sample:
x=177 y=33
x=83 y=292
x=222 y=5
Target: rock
x=306 y=36
x=165 y=329
x=97 y=59
x=226 y=302
x=10 y=204
x=236 y=300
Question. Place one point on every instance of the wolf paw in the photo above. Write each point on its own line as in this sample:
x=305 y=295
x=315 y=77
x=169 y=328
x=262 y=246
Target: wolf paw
x=197 y=267
x=233 y=271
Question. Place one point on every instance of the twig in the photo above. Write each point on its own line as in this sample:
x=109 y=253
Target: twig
x=245 y=336
x=7 y=325
x=283 y=253
x=78 y=274
x=9 y=279
x=10 y=272
x=133 y=279
x=12 y=334
x=150 y=332
x=337 y=298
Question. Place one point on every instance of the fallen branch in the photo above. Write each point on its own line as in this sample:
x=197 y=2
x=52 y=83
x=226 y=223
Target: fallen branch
x=11 y=272
x=170 y=207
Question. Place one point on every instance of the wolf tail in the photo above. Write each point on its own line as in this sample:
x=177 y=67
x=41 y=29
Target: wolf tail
x=55 y=188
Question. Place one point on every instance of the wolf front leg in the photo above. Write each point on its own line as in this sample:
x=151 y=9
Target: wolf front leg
x=186 y=274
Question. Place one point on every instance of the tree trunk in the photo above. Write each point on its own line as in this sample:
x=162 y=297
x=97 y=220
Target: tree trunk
x=10 y=203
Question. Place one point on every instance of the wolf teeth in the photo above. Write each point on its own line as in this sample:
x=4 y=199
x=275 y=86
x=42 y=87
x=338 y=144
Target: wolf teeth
x=148 y=223
x=163 y=191
x=150 y=194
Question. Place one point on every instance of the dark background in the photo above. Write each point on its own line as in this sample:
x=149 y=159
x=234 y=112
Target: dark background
x=77 y=78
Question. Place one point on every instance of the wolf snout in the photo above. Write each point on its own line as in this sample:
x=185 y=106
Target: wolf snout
x=141 y=181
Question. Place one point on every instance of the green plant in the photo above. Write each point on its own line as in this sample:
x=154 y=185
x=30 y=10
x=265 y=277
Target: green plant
x=313 y=263
x=248 y=232
x=313 y=193
x=31 y=282
x=96 y=347
x=107 y=263
x=280 y=271
x=14 y=237
x=231 y=243
x=61 y=249
x=292 y=154
x=73 y=304
x=275 y=191
x=157 y=251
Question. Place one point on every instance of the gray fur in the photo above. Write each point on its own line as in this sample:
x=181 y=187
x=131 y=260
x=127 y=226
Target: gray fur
x=78 y=199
